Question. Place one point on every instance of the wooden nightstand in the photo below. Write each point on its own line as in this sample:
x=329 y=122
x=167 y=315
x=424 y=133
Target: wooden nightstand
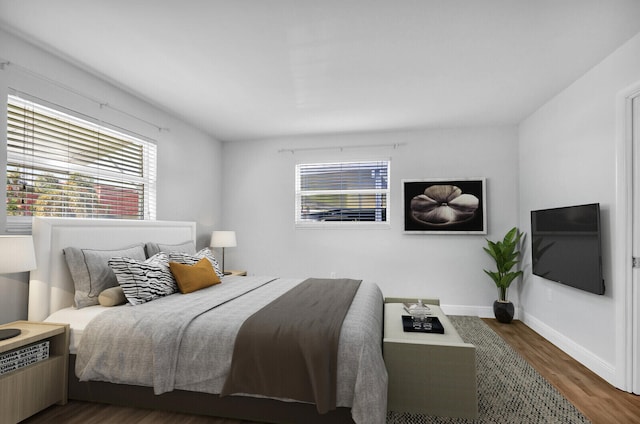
x=237 y=272
x=28 y=390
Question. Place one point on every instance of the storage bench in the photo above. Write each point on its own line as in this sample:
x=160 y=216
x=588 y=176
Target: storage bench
x=433 y=374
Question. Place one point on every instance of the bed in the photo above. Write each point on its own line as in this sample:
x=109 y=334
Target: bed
x=194 y=385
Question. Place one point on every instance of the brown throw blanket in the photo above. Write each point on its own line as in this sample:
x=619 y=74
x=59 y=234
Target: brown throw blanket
x=289 y=348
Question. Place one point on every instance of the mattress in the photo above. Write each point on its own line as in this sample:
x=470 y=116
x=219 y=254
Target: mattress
x=77 y=320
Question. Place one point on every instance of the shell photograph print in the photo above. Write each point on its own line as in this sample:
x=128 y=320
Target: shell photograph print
x=445 y=206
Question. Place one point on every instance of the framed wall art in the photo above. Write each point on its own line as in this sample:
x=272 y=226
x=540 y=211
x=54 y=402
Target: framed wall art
x=445 y=206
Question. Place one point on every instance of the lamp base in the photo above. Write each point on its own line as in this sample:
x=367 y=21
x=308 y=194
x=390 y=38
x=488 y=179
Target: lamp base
x=227 y=273
x=8 y=333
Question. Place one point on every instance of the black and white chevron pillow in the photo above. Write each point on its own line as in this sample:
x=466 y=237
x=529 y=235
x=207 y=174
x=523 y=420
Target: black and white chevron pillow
x=143 y=281
x=185 y=258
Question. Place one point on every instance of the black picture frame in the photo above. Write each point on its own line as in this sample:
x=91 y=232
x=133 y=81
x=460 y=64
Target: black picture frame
x=445 y=206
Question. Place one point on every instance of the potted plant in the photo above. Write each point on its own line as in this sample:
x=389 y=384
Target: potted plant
x=506 y=255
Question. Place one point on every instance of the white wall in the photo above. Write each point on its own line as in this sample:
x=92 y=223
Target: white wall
x=189 y=161
x=259 y=204
x=567 y=155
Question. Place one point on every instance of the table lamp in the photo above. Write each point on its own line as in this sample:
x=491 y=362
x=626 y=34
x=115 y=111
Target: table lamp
x=16 y=255
x=223 y=239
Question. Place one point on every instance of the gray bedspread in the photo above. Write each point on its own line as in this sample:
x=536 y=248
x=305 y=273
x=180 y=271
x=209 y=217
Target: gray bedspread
x=186 y=342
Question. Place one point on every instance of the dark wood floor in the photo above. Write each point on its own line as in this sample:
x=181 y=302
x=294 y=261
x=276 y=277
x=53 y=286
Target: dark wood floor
x=594 y=397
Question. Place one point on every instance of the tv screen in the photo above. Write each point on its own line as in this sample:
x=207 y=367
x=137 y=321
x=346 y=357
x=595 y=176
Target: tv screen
x=565 y=246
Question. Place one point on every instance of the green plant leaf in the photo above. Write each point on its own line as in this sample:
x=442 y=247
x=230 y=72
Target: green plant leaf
x=508 y=278
x=506 y=255
x=510 y=236
x=494 y=276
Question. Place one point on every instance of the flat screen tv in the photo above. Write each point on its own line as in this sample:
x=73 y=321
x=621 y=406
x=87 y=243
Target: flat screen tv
x=565 y=246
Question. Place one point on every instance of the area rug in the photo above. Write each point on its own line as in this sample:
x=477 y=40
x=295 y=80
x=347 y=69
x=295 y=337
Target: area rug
x=509 y=389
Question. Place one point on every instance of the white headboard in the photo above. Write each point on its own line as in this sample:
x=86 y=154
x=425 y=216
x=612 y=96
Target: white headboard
x=50 y=284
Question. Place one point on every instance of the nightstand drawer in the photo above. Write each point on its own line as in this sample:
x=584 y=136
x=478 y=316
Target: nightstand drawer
x=30 y=389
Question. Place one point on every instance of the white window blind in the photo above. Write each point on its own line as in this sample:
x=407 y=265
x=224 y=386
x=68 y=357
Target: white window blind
x=342 y=192
x=60 y=165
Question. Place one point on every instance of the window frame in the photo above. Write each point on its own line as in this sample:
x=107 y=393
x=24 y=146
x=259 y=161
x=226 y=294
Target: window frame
x=299 y=194
x=102 y=176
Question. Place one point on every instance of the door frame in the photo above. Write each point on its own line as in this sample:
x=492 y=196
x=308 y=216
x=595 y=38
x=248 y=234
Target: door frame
x=627 y=302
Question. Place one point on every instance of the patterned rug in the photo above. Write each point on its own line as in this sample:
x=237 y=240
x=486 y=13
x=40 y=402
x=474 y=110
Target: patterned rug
x=509 y=389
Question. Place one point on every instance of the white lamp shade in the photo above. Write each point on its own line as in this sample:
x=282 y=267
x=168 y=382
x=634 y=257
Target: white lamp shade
x=223 y=239
x=16 y=254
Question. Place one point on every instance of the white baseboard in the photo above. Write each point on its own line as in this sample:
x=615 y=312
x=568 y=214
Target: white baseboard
x=587 y=358
x=475 y=310
x=479 y=311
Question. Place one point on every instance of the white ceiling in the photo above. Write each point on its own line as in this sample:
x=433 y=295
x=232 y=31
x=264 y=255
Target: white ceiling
x=250 y=69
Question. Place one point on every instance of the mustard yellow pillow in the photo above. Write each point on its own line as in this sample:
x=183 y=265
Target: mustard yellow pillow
x=194 y=277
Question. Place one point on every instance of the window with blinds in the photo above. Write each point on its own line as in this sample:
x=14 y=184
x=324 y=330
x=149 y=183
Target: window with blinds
x=342 y=192
x=63 y=166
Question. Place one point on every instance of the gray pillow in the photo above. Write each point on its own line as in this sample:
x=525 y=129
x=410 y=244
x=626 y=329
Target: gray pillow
x=185 y=247
x=91 y=273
